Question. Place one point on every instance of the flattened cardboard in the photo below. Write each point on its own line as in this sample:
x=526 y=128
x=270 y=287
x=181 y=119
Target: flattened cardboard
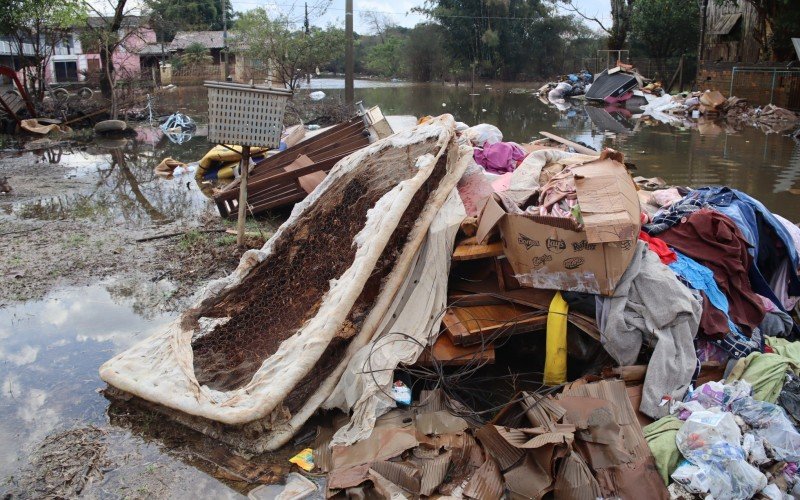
x=550 y=254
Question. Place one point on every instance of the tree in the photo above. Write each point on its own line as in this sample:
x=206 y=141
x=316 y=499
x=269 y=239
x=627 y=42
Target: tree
x=665 y=28
x=620 y=21
x=42 y=24
x=503 y=38
x=426 y=54
x=106 y=32
x=387 y=58
x=287 y=51
x=170 y=16
x=196 y=54
x=777 y=21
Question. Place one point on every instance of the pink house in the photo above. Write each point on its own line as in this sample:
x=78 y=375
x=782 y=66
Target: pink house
x=71 y=62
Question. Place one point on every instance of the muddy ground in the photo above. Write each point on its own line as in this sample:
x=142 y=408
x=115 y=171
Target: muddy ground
x=79 y=214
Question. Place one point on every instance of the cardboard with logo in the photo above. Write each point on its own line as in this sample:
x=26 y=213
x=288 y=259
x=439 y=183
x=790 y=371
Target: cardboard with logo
x=555 y=253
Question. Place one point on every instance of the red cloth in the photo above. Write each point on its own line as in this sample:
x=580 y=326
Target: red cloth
x=713 y=240
x=658 y=246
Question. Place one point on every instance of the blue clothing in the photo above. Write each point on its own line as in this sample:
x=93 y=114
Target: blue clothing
x=701 y=278
x=756 y=223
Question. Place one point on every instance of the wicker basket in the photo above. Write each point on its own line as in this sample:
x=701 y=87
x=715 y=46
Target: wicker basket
x=245 y=115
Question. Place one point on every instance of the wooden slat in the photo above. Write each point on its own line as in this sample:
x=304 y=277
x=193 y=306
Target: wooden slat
x=474 y=324
x=446 y=353
x=477 y=251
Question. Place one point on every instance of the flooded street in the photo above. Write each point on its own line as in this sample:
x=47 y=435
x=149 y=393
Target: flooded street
x=79 y=288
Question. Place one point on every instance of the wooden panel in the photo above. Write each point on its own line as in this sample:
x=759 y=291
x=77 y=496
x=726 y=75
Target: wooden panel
x=467 y=251
x=446 y=353
x=474 y=324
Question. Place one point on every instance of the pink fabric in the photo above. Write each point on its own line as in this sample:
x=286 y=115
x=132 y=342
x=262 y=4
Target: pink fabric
x=502 y=183
x=500 y=157
x=666 y=197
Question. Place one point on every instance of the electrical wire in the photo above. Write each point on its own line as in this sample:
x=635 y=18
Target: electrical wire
x=467 y=394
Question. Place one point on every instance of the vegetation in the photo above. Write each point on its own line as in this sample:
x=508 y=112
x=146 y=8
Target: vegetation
x=648 y=19
x=43 y=24
x=170 y=16
x=290 y=53
x=505 y=39
x=196 y=54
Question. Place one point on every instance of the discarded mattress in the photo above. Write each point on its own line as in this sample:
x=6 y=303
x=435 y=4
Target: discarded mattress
x=613 y=86
x=263 y=347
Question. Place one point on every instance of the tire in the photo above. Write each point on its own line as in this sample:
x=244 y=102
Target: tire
x=110 y=126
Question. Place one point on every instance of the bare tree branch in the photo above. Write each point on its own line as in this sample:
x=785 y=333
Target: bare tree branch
x=569 y=7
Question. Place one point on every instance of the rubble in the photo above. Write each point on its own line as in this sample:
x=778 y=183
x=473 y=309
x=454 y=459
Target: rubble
x=562 y=326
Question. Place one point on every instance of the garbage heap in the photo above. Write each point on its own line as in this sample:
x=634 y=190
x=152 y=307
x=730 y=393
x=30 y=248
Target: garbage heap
x=481 y=318
x=712 y=104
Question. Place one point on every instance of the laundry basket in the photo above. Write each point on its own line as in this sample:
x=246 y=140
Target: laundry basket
x=245 y=115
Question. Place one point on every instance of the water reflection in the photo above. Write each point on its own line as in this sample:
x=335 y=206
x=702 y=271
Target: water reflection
x=117 y=182
x=49 y=357
x=685 y=152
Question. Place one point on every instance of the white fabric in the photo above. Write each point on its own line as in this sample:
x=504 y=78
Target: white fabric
x=160 y=369
x=365 y=386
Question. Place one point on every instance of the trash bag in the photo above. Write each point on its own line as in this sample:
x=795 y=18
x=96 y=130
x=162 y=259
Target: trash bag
x=712 y=442
x=483 y=134
x=317 y=95
x=562 y=90
x=770 y=423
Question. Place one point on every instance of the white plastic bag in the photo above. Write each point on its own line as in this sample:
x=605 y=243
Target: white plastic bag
x=770 y=423
x=712 y=442
x=483 y=134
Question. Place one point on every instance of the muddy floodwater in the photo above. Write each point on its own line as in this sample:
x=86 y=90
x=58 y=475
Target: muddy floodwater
x=79 y=288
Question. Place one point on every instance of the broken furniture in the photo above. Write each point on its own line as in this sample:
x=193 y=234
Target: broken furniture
x=289 y=176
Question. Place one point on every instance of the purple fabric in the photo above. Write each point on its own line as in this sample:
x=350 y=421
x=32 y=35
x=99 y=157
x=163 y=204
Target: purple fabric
x=500 y=157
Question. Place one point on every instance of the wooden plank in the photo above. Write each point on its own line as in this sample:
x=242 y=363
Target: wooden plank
x=574 y=145
x=477 y=251
x=308 y=181
x=444 y=352
x=475 y=324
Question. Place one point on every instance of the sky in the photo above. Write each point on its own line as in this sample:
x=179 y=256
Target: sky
x=399 y=11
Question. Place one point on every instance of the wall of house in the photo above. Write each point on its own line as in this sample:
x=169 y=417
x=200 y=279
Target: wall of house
x=126 y=59
x=737 y=46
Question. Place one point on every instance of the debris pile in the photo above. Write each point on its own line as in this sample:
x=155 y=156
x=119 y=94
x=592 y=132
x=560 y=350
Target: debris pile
x=465 y=316
x=712 y=104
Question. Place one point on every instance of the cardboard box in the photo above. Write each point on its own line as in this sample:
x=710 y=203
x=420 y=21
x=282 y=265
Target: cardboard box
x=550 y=253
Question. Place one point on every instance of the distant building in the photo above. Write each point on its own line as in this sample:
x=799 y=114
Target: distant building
x=729 y=33
x=212 y=40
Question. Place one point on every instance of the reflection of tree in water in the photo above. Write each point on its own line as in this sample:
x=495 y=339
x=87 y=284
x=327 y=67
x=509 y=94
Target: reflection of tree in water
x=141 y=197
x=146 y=298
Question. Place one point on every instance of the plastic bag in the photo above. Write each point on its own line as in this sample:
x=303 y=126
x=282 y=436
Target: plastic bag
x=712 y=442
x=562 y=90
x=770 y=423
x=484 y=134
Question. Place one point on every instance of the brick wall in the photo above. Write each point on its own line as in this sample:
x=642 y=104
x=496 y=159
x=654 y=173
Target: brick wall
x=755 y=86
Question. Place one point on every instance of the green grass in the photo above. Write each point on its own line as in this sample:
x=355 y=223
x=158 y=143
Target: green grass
x=190 y=239
x=227 y=240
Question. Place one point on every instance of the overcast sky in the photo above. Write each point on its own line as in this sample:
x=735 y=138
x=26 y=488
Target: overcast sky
x=398 y=10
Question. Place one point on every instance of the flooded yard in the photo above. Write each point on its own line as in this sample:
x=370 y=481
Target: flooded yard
x=79 y=288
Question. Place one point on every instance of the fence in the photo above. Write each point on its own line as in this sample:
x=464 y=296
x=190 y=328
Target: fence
x=196 y=74
x=763 y=86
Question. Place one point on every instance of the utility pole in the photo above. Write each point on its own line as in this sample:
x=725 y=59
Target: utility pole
x=349 y=94
x=307 y=27
x=225 y=36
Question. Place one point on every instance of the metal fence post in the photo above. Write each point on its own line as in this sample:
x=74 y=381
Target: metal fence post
x=733 y=76
x=772 y=89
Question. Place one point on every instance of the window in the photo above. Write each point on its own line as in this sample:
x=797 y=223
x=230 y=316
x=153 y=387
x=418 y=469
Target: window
x=66 y=71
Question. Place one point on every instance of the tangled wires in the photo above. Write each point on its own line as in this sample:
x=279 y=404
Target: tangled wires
x=473 y=390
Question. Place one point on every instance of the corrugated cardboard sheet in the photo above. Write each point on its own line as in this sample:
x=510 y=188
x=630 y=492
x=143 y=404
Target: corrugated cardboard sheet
x=486 y=483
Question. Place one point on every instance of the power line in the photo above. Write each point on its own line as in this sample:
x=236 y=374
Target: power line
x=508 y=18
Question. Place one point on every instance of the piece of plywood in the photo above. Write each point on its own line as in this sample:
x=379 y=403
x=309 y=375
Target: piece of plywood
x=467 y=251
x=444 y=352
x=308 y=181
x=476 y=324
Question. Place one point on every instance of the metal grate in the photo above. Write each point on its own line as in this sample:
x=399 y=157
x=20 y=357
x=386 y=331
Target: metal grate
x=245 y=115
